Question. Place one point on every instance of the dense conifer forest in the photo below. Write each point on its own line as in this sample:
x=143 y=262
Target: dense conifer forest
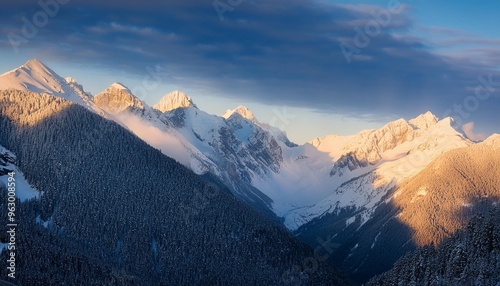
x=116 y=211
x=470 y=257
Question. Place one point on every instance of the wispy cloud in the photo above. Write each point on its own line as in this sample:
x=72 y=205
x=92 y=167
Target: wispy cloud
x=469 y=131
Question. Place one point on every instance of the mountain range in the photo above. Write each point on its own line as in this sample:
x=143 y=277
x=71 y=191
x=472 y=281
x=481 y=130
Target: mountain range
x=374 y=195
x=102 y=207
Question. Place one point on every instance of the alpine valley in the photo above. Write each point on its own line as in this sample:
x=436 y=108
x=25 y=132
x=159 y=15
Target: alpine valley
x=126 y=193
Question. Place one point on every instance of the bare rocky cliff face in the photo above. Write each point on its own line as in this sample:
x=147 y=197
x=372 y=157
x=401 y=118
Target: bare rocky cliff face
x=117 y=98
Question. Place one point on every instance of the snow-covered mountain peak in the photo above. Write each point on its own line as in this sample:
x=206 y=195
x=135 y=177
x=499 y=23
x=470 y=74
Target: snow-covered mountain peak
x=117 y=98
x=36 y=77
x=448 y=125
x=241 y=110
x=424 y=121
x=173 y=100
x=398 y=123
x=37 y=65
x=38 y=70
x=119 y=86
x=28 y=73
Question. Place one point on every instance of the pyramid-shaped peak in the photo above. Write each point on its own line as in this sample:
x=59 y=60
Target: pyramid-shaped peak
x=117 y=98
x=36 y=77
x=119 y=86
x=241 y=110
x=424 y=121
x=173 y=100
x=29 y=70
x=34 y=63
x=36 y=66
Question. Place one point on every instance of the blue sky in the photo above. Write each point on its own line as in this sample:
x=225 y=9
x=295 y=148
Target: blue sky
x=282 y=59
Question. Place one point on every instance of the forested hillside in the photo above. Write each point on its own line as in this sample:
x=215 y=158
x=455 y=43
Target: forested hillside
x=45 y=259
x=470 y=257
x=116 y=209
x=448 y=192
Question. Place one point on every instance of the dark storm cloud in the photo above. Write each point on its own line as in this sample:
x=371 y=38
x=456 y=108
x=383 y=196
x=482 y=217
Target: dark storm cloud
x=285 y=52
